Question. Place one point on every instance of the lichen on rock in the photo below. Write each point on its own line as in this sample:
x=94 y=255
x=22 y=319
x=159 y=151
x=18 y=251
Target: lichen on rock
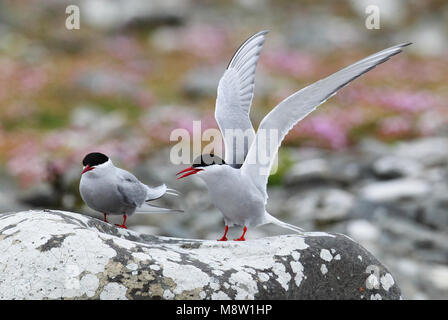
x=63 y=255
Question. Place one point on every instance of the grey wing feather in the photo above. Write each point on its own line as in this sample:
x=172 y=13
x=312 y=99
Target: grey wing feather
x=150 y=208
x=234 y=98
x=297 y=106
x=134 y=192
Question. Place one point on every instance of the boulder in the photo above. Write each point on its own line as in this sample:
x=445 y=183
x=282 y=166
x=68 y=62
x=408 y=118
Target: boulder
x=395 y=190
x=62 y=255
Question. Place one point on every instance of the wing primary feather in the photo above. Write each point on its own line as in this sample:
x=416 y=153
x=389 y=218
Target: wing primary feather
x=235 y=93
x=239 y=49
x=253 y=53
x=298 y=105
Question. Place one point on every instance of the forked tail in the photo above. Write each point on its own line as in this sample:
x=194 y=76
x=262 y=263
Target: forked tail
x=155 y=193
x=271 y=219
x=150 y=208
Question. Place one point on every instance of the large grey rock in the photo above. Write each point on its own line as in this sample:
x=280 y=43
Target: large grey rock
x=430 y=151
x=323 y=206
x=110 y=15
x=56 y=254
x=395 y=190
x=392 y=167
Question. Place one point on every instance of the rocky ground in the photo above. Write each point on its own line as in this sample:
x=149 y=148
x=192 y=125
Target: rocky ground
x=63 y=255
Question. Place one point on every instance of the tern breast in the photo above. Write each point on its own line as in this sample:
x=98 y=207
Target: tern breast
x=239 y=201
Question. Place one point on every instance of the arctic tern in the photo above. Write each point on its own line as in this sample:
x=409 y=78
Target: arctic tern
x=238 y=188
x=111 y=190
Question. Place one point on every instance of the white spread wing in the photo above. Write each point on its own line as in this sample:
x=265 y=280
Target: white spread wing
x=235 y=93
x=296 y=107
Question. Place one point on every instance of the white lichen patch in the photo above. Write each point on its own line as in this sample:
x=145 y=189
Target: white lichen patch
x=299 y=244
x=124 y=243
x=295 y=255
x=283 y=277
x=376 y=297
x=387 y=281
x=48 y=255
x=297 y=268
x=323 y=269
x=90 y=284
x=220 y=296
x=250 y=270
x=372 y=282
x=132 y=266
x=214 y=284
x=244 y=285
x=326 y=255
x=113 y=291
x=218 y=272
x=167 y=294
x=263 y=277
x=186 y=277
x=337 y=257
x=141 y=256
x=164 y=255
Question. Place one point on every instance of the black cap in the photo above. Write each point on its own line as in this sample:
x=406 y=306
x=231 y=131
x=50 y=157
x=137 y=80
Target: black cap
x=94 y=159
x=205 y=160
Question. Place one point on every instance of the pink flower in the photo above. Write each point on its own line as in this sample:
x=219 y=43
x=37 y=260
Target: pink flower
x=26 y=162
x=205 y=41
x=324 y=128
x=123 y=47
x=33 y=80
x=292 y=63
x=395 y=126
x=405 y=100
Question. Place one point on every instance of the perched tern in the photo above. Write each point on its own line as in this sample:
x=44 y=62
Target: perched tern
x=237 y=184
x=111 y=190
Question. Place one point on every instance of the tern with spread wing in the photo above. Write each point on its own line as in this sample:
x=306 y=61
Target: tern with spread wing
x=111 y=190
x=237 y=184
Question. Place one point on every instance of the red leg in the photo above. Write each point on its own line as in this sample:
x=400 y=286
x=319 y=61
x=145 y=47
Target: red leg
x=224 y=238
x=124 y=222
x=105 y=218
x=242 y=237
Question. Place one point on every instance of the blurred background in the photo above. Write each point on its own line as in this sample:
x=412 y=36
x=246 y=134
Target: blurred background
x=372 y=162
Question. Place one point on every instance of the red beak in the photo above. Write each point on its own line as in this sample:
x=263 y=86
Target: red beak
x=189 y=171
x=87 y=168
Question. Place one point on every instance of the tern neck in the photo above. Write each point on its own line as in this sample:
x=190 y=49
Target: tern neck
x=213 y=174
